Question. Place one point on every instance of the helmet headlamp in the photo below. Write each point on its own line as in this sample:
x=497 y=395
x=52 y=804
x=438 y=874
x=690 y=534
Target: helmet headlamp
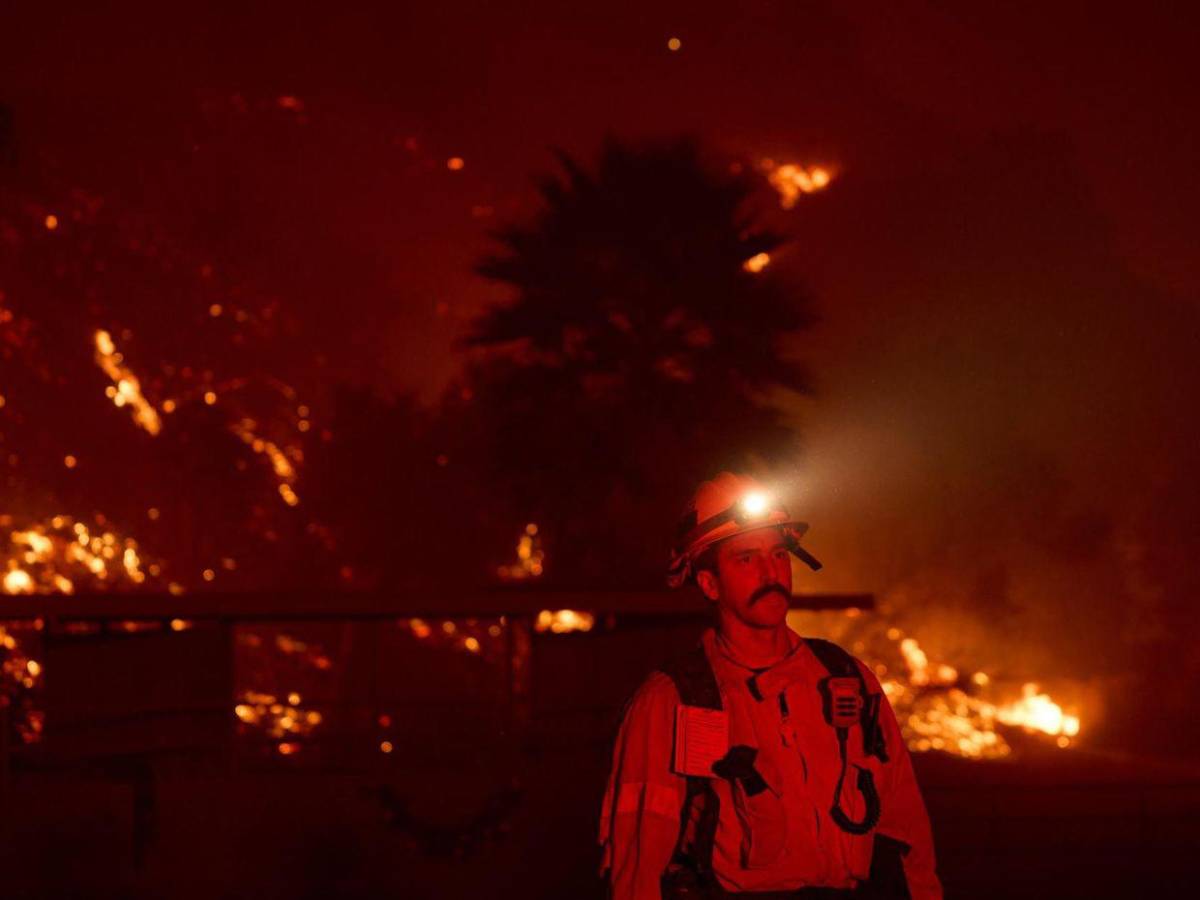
x=753 y=506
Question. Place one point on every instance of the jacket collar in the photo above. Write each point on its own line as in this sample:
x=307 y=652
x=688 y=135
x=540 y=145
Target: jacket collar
x=796 y=666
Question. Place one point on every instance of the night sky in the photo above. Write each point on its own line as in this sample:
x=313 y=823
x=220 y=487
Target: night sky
x=1004 y=266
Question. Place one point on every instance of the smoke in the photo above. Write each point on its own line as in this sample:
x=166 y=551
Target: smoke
x=1002 y=447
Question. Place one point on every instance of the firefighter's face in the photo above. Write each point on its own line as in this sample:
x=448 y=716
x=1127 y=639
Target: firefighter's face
x=753 y=577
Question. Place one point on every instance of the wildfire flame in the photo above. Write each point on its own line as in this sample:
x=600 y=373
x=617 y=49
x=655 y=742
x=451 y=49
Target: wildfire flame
x=937 y=712
x=51 y=557
x=55 y=557
x=1035 y=711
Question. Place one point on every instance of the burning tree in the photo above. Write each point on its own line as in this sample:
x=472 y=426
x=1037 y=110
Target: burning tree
x=636 y=354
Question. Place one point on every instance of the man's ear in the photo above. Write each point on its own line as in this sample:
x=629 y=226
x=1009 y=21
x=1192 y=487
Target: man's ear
x=707 y=582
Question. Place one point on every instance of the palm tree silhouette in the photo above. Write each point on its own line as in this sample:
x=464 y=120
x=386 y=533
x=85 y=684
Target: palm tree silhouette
x=635 y=353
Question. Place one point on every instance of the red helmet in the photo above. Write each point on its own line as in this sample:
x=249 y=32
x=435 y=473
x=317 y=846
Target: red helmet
x=729 y=504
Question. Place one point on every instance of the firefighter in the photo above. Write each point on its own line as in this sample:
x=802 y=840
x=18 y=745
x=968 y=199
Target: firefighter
x=760 y=764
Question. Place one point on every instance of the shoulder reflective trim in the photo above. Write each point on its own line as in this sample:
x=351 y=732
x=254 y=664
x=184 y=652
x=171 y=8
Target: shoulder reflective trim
x=648 y=797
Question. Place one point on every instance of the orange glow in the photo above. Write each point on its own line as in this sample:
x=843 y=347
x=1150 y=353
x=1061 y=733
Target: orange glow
x=674 y=44
x=385 y=746
x=69 y=461
x=210 y=398
x=215 y=310
x=757 y=262
x=51 y=222
x=455 y=163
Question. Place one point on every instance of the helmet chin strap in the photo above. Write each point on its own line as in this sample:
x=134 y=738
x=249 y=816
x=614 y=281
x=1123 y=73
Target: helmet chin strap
x=803 y=555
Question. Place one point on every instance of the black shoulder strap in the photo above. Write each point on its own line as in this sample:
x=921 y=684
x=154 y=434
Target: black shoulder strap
x=694 y=679
x=836 y=660
x=690 y=869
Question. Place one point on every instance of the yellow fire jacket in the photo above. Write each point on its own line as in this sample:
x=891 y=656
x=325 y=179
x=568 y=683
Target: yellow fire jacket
x=782 y=838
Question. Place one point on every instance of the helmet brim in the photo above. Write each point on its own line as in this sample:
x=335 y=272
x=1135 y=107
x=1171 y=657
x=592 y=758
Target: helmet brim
x=681 y=569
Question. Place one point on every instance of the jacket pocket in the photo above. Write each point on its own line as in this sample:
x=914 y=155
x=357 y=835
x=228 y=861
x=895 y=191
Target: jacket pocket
x=764 y=826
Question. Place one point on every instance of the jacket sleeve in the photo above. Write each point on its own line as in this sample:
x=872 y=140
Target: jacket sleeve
x=903 y=814
x=639 y=821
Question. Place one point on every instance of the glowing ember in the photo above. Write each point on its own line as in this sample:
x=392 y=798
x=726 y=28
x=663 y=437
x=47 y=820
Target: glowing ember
x=530 y=558
x=281 y=460
x=126 y=389
x=757 y=262
x=20 y=678
x=474 y=636
x=793 y=181
x=283 y=721
x=562 y=621
x=311 y=654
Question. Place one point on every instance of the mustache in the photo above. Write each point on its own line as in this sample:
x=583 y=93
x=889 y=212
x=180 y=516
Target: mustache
x=772 y=588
